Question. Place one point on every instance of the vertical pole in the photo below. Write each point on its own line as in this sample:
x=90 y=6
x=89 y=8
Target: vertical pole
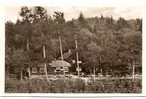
x=44 y=52
x=101 y=71
x=61 y=47
x=133 y=71
x=45 y=65
x=28 y=71
x=60 y=43
x=94 y=73
x=100 y=64
x=77 y=55
x=27 y=47
x=21 y=74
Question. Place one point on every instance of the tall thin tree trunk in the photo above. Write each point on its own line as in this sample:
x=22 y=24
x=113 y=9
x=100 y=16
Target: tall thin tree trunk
x=133 y=71
x=94 y=73
x=77 y=55
x=101 y=71
x=27 y=46
x=60 y=43
x=45 y=65
x=21 y=74
x=7 y=72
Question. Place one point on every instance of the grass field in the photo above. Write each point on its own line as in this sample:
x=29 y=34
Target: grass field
x=69 y=85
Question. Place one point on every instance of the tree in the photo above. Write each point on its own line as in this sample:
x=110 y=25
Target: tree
x=26 y=14
x=121 y=23
x=91 y=55
x=59 y=25
x=81 y=18
x=59 y=21
x=139 y=24
x=109 y=22
x=10 y=34
x=59 y=17
x=39 y=14
x=82 y=21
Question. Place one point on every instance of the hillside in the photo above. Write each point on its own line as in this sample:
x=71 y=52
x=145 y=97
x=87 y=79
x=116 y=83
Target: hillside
x=101 y=40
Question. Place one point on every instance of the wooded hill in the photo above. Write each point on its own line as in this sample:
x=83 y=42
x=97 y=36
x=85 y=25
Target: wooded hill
x=103 y=42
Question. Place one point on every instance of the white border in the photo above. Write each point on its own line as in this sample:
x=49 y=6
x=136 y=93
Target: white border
x=2 y=49
x=63 y=3
x=75 y=2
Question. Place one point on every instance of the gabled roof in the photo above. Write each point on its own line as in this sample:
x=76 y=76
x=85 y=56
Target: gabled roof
x=60 y=63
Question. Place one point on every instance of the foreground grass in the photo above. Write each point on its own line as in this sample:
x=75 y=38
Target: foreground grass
x=73 y=86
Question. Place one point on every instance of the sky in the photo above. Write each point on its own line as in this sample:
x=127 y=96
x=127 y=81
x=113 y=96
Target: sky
x=12 y=12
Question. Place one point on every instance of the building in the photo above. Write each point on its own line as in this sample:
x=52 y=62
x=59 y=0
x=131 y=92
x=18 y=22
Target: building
x=60 y=66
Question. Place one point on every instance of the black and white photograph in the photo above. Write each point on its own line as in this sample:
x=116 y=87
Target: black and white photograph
x=73 y=49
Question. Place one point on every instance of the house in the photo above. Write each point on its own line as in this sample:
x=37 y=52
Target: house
x=60 y=66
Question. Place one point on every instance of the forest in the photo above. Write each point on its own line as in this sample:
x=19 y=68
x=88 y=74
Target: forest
x=103 y=42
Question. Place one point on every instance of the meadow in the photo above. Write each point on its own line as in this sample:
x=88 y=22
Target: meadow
x=70 y=85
